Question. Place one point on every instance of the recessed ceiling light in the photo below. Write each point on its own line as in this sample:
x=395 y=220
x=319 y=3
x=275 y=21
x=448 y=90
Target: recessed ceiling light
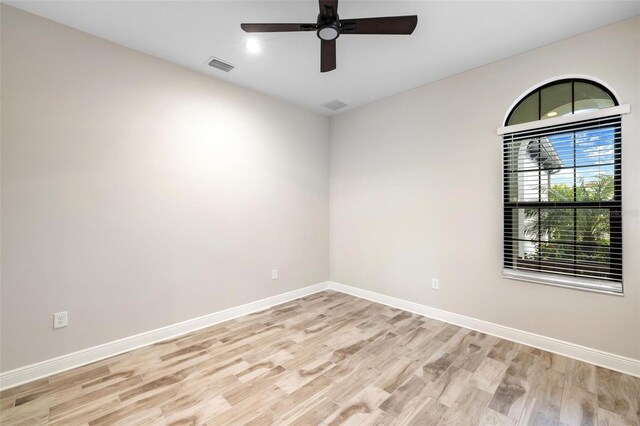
x=253 y=46
x=552 y=114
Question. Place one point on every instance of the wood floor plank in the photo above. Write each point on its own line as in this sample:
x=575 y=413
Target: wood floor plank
x=619 y=394
x=86 y=412
x=559 y=363
x=195 y=411
x=608 y=418
x=396 y=403
x=539 y=412
x=378 y=418
x=429 y=413
x=192 y=396
x=468 y=407
x=510 y=397
x=88 y=401
x=50 y=395
x=316 y=414
x=488 y=375
x=504 y=350
x=547 y=385
x=435 y=367
x=357 y=409
x=493 y=418
x=254 y=387
x=6 y=403
x=329 y=358
x=389 y=340
x=447 y=333
x=138 y=410
x=342 y=369
x=579 y=406
x=523 y=366
x=449 y=386
x=25 y=415
x=299 y=396
x=581 y=375
x=245 y=409
x=393 y=378
x=298 y=378
x=265 y=418
x=24 y=388
x=353 y=383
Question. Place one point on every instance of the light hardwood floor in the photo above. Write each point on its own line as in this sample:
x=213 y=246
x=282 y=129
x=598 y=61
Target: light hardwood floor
x=330 y=358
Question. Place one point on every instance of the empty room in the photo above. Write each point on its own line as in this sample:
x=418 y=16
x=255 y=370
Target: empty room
x=312 y=212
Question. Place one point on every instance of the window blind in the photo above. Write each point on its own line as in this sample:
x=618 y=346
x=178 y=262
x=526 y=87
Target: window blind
x=563 y=203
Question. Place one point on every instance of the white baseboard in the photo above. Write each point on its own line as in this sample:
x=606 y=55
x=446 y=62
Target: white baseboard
x=594 y=356
x=18 y=376
x=62 y=363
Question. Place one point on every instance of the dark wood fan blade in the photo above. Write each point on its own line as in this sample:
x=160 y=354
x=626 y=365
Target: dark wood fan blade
x=328 y=8
x=275 y=28
x=386 y=25
x=327 y=55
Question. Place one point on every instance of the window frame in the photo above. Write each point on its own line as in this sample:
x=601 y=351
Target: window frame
x=572 y=122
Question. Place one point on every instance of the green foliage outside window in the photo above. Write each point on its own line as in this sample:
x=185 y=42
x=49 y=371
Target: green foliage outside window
x=556 y=227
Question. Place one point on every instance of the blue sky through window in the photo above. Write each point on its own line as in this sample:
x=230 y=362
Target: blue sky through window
x=594 y=154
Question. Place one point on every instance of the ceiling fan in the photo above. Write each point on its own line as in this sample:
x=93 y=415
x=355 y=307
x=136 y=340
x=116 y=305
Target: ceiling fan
x=329 y=27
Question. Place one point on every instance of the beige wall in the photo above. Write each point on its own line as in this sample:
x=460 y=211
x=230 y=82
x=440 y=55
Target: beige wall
x=137 y=194
x=416 y=193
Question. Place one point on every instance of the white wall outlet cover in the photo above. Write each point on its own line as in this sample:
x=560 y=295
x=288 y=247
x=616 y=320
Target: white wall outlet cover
x=60 y=319
x=274 y=274
x=435 y=283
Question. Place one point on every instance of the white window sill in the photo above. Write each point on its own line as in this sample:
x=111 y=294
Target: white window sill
x=585 y=284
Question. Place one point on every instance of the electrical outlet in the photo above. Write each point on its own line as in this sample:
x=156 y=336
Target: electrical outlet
x=274 y=274
x=60 y=319
x=435 y=283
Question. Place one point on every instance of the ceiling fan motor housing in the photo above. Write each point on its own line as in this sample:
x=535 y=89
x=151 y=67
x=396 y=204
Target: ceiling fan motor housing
x=328 y=29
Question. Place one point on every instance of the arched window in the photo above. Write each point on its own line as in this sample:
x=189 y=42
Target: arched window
x=561 y=98
x=562 y=153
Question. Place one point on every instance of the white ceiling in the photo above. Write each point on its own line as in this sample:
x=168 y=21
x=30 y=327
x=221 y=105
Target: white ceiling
x=451 y=37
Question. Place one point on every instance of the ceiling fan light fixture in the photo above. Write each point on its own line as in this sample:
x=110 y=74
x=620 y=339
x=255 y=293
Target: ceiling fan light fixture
x=328 y=32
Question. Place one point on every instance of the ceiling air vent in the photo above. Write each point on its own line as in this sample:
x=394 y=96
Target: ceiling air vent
x=335 y=105
x=219 y=64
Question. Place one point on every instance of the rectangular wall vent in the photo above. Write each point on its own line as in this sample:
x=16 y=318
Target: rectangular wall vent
x=220 y=64
x=335 y=105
